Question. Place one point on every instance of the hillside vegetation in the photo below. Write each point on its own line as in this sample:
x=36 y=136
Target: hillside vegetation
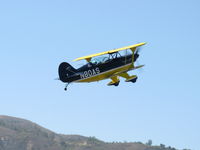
x=20 y=134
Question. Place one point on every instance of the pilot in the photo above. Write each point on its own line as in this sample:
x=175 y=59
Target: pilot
x=93 y=62
x=89 y=64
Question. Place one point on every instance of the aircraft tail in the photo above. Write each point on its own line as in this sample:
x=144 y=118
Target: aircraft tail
x=65 y=70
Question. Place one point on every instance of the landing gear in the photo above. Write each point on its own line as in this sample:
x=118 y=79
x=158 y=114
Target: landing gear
x=116 y=84
x=134 y=80
x=66 y=87
x=113 y=83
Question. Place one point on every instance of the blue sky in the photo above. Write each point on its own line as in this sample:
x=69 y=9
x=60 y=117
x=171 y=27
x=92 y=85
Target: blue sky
x=36 y=36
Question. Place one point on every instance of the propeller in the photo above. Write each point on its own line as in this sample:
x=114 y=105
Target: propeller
x=136 y=55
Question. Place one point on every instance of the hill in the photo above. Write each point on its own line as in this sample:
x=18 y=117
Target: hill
x=20 y=134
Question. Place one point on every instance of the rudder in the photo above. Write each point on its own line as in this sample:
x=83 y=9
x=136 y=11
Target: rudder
x=65 y=70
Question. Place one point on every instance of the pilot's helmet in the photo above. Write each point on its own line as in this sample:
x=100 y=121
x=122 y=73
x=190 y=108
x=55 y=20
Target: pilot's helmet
x=93 y=61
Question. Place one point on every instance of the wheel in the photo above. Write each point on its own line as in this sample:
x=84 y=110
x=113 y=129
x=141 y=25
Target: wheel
x=116 y=84
x=134 y=80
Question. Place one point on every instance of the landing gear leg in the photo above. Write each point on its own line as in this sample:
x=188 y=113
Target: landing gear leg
x=66 y=87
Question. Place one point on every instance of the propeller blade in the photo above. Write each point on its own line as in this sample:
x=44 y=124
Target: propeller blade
x=138 y=50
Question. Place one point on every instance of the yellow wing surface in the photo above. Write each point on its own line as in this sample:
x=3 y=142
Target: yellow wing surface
x=132 y=47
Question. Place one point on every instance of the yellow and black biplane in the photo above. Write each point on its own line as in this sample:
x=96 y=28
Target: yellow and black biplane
x=112 y=64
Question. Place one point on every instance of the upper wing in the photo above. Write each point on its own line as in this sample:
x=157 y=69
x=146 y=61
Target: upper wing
x=132 y=47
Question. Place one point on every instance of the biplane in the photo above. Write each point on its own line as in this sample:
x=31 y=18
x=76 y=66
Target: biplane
x=111 y=64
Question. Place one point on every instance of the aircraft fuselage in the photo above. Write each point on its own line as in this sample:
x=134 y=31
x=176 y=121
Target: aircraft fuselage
x=95 y=72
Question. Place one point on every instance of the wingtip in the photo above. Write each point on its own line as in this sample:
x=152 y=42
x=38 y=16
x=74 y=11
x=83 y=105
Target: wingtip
x=143 y=43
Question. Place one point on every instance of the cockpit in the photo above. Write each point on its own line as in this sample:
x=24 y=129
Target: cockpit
x=105 y=59
x=99 y=60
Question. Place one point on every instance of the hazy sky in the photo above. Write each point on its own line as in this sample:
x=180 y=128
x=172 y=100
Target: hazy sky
x=36 y=36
